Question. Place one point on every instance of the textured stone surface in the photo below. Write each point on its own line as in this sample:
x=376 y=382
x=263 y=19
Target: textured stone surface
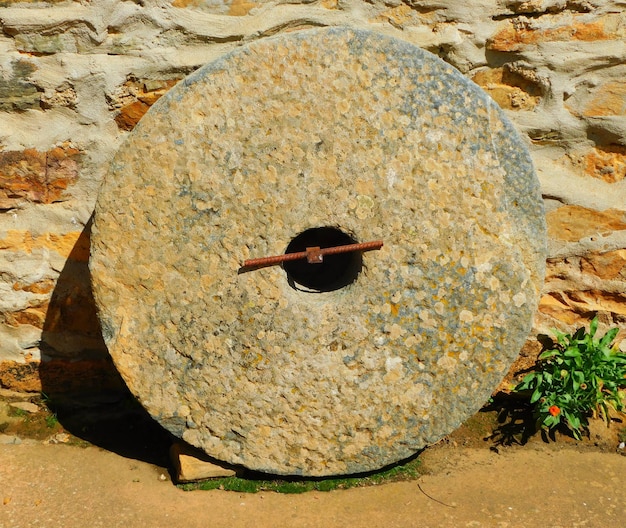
x=318 y=128
x=608 y=163
x=40 y=177
x=192 y=464
x=139 y=97
x=573 y=222
x=518 y=35
x=17 y=93
x=509 y=89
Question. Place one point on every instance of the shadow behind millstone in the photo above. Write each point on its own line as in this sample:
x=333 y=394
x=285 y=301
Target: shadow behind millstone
x=78 y=377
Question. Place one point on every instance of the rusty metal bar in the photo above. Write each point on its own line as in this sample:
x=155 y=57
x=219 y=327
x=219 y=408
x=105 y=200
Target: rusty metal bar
x=314 y=255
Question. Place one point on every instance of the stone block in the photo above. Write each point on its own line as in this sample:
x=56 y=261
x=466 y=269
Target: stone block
x=22 y=377
x=222 y=7
x=34 y=176
x=17 y=93
x=609 y=99
x=9 y=440
x=509 y=89
x=576 y=287
x=50 y=30
x=33 y=315
x=242 y=7
x=190 y=464
x=62 y=243
x=219 y=6
x=58 y=376
x=142 y=95
x=520 y=34
x=130 y=115
x=574 y=306
x=38 y=287
x=606 y=163
x=25 y=406
x=573 y=222
x=63 y=95
x=608 y=265
x=400 y=16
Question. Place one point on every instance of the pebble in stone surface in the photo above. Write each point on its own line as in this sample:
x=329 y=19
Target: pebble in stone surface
x=323 y=128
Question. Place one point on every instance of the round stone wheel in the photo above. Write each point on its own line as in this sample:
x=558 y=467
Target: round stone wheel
x=318 y=138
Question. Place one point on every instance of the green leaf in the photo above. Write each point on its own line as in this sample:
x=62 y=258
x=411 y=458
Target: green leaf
x=549 y=353
x=561 y=338
x=536 y=395
x=608 y=337
x=572 y=352
x=593 y=326
x=565 y=400
x=572 y=419
x=551 y=421
x=578 y=377
x=527 y=382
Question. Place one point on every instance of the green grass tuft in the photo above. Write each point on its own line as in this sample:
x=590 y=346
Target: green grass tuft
x=51 y=421
x=407 y=471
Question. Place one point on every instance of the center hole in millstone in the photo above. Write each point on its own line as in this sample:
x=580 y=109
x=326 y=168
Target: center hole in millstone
x=335 y=272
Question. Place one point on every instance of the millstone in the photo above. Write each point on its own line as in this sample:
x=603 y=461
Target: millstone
x=320 y=137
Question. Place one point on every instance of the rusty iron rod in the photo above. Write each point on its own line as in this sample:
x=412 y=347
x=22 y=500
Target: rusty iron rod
x=263 y=262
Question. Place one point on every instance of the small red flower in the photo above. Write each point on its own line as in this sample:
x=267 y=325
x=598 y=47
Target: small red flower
x=554 y=410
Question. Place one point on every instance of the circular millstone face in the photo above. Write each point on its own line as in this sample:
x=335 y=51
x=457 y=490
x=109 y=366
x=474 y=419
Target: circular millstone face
x=290 y=372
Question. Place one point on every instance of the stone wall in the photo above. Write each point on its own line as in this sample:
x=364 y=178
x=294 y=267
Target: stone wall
x=75 y=77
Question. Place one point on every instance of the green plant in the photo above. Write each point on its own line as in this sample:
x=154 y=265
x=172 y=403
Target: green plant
x=51 y=421
x=580 y=376
x=17 y=412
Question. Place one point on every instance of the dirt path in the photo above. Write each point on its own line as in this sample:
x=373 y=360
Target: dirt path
x=73 y=487
x=48 y=478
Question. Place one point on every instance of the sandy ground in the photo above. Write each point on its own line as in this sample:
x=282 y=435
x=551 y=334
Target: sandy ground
x=73 y=487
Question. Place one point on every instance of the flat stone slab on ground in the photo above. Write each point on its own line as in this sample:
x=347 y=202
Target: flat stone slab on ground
x=190 y=464
x=25 y=406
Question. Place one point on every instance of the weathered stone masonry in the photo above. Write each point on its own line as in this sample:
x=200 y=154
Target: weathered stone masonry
x=75 y=77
